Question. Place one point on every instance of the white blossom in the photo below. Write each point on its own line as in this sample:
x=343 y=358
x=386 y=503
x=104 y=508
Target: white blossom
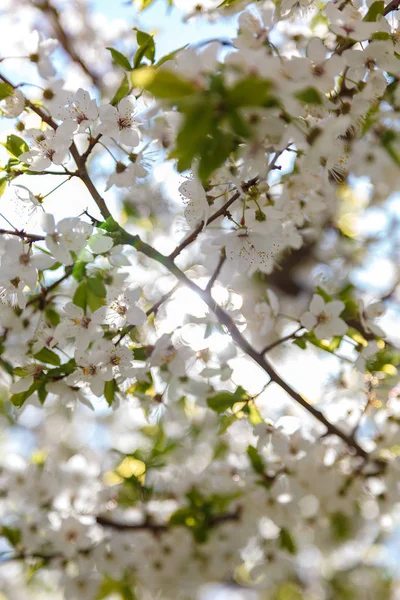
x=69 y=235
x=119 y=122
x=39 y=50
x=323 y=318
x=49 y=147
x=79 y=108
x=13 y=105
x=122 y=309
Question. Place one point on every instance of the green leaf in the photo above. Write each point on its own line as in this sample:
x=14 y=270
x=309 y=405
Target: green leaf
x=254 y=415
x=52 y=316
x=12 y=535
x=170 y=55
x=225 y=422
x=48 y=356
x=64 y=369
x=120 y=59
x=387 y=138
x=6 y=366
x=251 y=91
x=309 y=95
x=215 y=151
x=3 y=185
x=225 y=400
x=221 y=402
x=140 y=353
x=110 y=389
x=286 y=541
x=180 y=516
x=189 y=141
x=80 y=296
x=238 y=124
x=321 y=292
x=255 y=459
x=376 y=9
x=162 y=84
x=340 y=526
x=94 y=301
x=122 y=91
x=42 y=393
x=300 y=342
x=147 y=48
x=19 y=400
x=5 y=90
x=20 y=371
x=15 y=145
x=79 y=270
x=97 y=287
x=381 y=35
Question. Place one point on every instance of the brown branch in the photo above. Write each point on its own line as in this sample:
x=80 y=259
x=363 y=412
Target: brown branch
x=149 y=312
x=65 y=40
x=148 y=525
x=225 y=319
x=29 y=237
x=145 y=526
x=219 y=213
x=45 y=291
x=280 y=341
x=80 y=161
x=92 y=143
x=85 y=178
x=391 y=7
x=216 y=273
x=45 y=118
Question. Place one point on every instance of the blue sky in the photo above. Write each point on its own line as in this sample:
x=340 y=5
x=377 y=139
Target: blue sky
x=173 y=32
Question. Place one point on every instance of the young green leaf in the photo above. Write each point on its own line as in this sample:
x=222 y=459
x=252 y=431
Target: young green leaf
x=309 y=96
x=147 y=48
x=15 y=145
x=3 y=185
x=5 y=90
x=48 y=356
x=376 y=9
x=122 y=91
x=120 y=59
x=162 y=84
x=225 y=400
x=80 y=296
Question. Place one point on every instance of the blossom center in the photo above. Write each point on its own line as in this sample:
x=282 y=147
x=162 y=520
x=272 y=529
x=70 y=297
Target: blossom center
x=25 y=259
x=89 y=370
x=119 y=308
x=124 y=123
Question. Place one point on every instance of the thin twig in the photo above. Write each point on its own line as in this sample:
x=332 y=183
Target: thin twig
x=30 y=237
x=66 y=42
x=391 y=7
x=46 y=290
x=150 y=311
x=148 y=525
x=225 y=319
x=281 y=340
x=219 y=213
x=216 y=273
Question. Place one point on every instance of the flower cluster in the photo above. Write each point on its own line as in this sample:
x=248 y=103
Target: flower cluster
x=199 y=366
